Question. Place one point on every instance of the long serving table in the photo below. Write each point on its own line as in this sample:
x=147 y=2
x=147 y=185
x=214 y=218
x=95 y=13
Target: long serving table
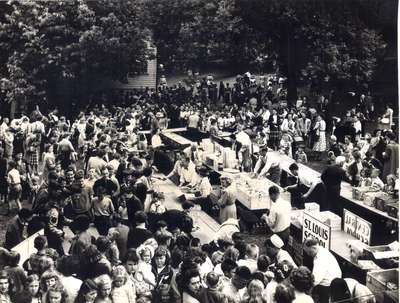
x=384 y=227
x=165 y=131
x=205 y=226
x=308 y=176
x=175 y=140
x=339 y=238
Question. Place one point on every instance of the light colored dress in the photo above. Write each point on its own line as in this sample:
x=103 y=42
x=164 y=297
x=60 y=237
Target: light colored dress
x=227 y=204
x=320 y=145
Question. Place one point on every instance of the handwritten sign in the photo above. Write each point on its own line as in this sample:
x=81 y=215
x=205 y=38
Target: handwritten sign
x=357 y=227
x=316 y=229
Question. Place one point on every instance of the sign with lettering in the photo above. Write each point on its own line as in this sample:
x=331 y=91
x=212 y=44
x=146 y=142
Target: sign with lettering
x=314 y=228
x=357 y=227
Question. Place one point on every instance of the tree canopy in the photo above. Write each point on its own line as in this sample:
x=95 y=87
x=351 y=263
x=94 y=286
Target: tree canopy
x=43 y=42
x=322 y=44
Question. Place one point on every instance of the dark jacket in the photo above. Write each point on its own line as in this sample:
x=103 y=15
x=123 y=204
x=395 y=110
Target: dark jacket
x=137 y=236
x=14 y=233
x=333 y=176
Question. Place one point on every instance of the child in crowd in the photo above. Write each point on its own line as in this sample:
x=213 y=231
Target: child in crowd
x=255 y=292
x=213 y=293
x=123 y=290
x=285 y=145
x=16 y=273
x=301 y=156
x=113 y=253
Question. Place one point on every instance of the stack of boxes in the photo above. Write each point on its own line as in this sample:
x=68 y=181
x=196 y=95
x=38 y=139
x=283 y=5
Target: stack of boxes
x=327 y=217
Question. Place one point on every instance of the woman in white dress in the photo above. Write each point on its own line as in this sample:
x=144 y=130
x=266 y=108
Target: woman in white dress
x=320 y=144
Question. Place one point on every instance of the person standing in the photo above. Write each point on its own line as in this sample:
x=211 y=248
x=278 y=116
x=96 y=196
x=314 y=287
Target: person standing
x=103 y=209
x=332 y=177
x=325 y=269
x=15 y=228
x=15 y=188
x=303 y=125
x=3 y=177
x=390 y=156
x=320 y=144
x=227 y=201
x=139 y=233
x=275 y=251
x=278 y=219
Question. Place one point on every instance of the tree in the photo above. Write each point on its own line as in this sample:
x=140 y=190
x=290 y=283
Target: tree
x=322 y=42
x=195 y=33
x=45 y=43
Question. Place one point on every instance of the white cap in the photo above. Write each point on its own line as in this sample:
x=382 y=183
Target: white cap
x=276 y=241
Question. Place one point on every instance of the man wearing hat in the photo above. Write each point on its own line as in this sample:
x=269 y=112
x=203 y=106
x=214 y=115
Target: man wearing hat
x=274 y=248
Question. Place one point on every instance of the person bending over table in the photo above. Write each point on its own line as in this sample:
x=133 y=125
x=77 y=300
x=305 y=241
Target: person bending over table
x=278 y=218
x=266 y=166
x=295 y=187
x=202 y=191
x=193 y=153
x=185 y=170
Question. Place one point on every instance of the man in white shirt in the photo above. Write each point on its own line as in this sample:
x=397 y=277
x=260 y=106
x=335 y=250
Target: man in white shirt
x=193 y=120
x=156 y=141
x=278 y=219
x=325 y=269
x=185 y=170
x=243 y=137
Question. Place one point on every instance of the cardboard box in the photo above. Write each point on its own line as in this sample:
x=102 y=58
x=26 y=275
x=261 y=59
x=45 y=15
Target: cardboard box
x=333 y=220
x=311 y=208
x=252 y=199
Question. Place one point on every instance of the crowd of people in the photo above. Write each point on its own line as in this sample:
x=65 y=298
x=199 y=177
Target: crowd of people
x=97 y=172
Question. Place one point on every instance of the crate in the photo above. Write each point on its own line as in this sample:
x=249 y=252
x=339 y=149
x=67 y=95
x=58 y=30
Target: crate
x=381 y=201
x=392 y=209
x=379 y=281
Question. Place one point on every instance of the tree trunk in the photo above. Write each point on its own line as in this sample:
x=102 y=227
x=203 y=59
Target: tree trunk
x=291 y=68
x=13 y=107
